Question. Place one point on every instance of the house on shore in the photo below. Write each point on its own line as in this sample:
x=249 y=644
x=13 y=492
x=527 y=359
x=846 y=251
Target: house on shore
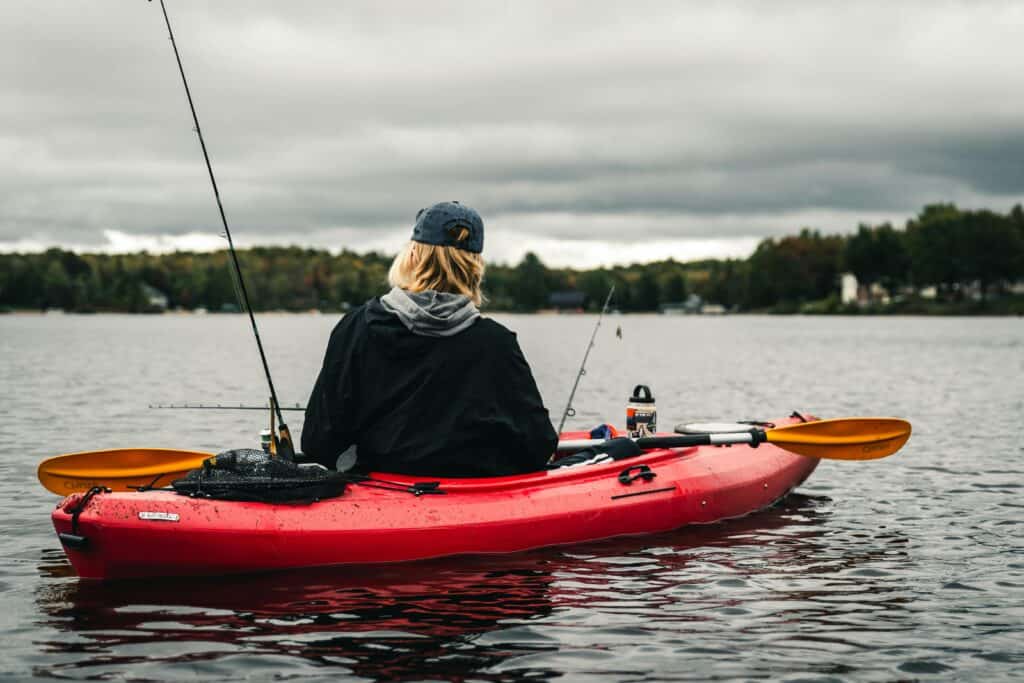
x=568 y=301
x=694 y=305
x=156 y=301
x=852 y=292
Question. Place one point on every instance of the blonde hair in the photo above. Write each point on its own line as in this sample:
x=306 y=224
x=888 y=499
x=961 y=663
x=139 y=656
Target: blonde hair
x=419 y=267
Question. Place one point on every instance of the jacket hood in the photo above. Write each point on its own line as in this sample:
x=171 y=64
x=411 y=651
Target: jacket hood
x=430 y=313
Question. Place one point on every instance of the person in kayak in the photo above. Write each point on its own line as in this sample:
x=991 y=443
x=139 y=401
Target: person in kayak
x=418 y=381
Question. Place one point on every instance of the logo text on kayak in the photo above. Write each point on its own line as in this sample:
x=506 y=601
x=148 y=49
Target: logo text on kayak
x=160 y=516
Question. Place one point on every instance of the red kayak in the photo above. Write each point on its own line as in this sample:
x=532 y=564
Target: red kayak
x=162 y=533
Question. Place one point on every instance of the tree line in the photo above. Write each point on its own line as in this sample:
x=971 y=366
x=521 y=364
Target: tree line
x=943 y=247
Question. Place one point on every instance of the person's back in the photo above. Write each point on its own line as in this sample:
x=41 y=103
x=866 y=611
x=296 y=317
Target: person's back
x=422 y=384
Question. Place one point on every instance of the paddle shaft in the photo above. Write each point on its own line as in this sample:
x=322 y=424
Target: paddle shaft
x=851 y=438
x=682 y=441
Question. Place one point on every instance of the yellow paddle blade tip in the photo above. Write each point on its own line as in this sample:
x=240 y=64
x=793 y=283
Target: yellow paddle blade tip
x=846 y=438
x=117 y=468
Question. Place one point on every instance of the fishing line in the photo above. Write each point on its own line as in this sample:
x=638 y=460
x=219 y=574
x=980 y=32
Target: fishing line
x=569 y=411
x=285 y=447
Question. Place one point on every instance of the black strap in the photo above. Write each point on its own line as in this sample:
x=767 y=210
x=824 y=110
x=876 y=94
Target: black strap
x=151 y=486
x=80 y=505
x=420 y=488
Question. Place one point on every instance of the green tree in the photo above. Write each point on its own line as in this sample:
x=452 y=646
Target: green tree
x=994 y=249
x=878 y=254
x=936 y=240
x=595 y=284
x=57 y=291
x=1017 y=217
x=530 y=288
x=675 y=288
x=727 y=283
x=648 y=293
x=795 y=269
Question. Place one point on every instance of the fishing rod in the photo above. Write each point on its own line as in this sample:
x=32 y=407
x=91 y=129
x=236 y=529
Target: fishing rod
x=284 y=444
x=583 y=366
x=204 y=406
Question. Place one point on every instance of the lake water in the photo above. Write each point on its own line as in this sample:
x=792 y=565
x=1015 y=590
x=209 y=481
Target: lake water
x=908 y=568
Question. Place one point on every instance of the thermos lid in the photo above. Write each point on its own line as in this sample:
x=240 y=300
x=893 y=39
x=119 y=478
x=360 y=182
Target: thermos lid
x=648 y=397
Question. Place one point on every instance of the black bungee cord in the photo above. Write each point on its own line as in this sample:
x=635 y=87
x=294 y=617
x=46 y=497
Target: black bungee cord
x=285 y=447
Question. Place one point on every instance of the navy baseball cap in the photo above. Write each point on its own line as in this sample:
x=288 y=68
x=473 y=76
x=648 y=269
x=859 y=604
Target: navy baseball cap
x=441 y=224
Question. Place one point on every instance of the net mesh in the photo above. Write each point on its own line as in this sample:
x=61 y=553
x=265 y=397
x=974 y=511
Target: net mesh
x=252 y=475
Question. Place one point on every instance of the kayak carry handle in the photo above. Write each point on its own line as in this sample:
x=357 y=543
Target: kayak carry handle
x=642 y=472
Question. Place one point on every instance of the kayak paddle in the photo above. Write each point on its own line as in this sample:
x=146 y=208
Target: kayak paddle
x=845 y=438
x=852 y=438
x=118 y=469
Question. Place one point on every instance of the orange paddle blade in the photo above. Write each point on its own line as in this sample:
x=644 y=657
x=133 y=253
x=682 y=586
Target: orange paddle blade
x=847 y=438
x=117 y=469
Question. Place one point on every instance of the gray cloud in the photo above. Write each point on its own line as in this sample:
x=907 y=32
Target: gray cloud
x=568 y=125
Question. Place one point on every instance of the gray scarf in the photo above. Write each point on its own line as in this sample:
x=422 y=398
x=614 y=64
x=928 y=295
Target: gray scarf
x=430 y=313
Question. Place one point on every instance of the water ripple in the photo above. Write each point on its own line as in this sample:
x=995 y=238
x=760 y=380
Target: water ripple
x=910 y=568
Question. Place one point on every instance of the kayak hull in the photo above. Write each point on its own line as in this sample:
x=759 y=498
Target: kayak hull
x=161 y=533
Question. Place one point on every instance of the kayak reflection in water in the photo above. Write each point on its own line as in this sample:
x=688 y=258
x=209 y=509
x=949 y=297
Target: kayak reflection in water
x=418 y=381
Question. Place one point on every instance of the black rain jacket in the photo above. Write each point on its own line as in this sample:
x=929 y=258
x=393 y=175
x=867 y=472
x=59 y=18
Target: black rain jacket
x=459 y=406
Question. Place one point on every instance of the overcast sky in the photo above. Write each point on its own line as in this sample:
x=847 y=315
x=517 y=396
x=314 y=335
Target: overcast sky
x=589 y=132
